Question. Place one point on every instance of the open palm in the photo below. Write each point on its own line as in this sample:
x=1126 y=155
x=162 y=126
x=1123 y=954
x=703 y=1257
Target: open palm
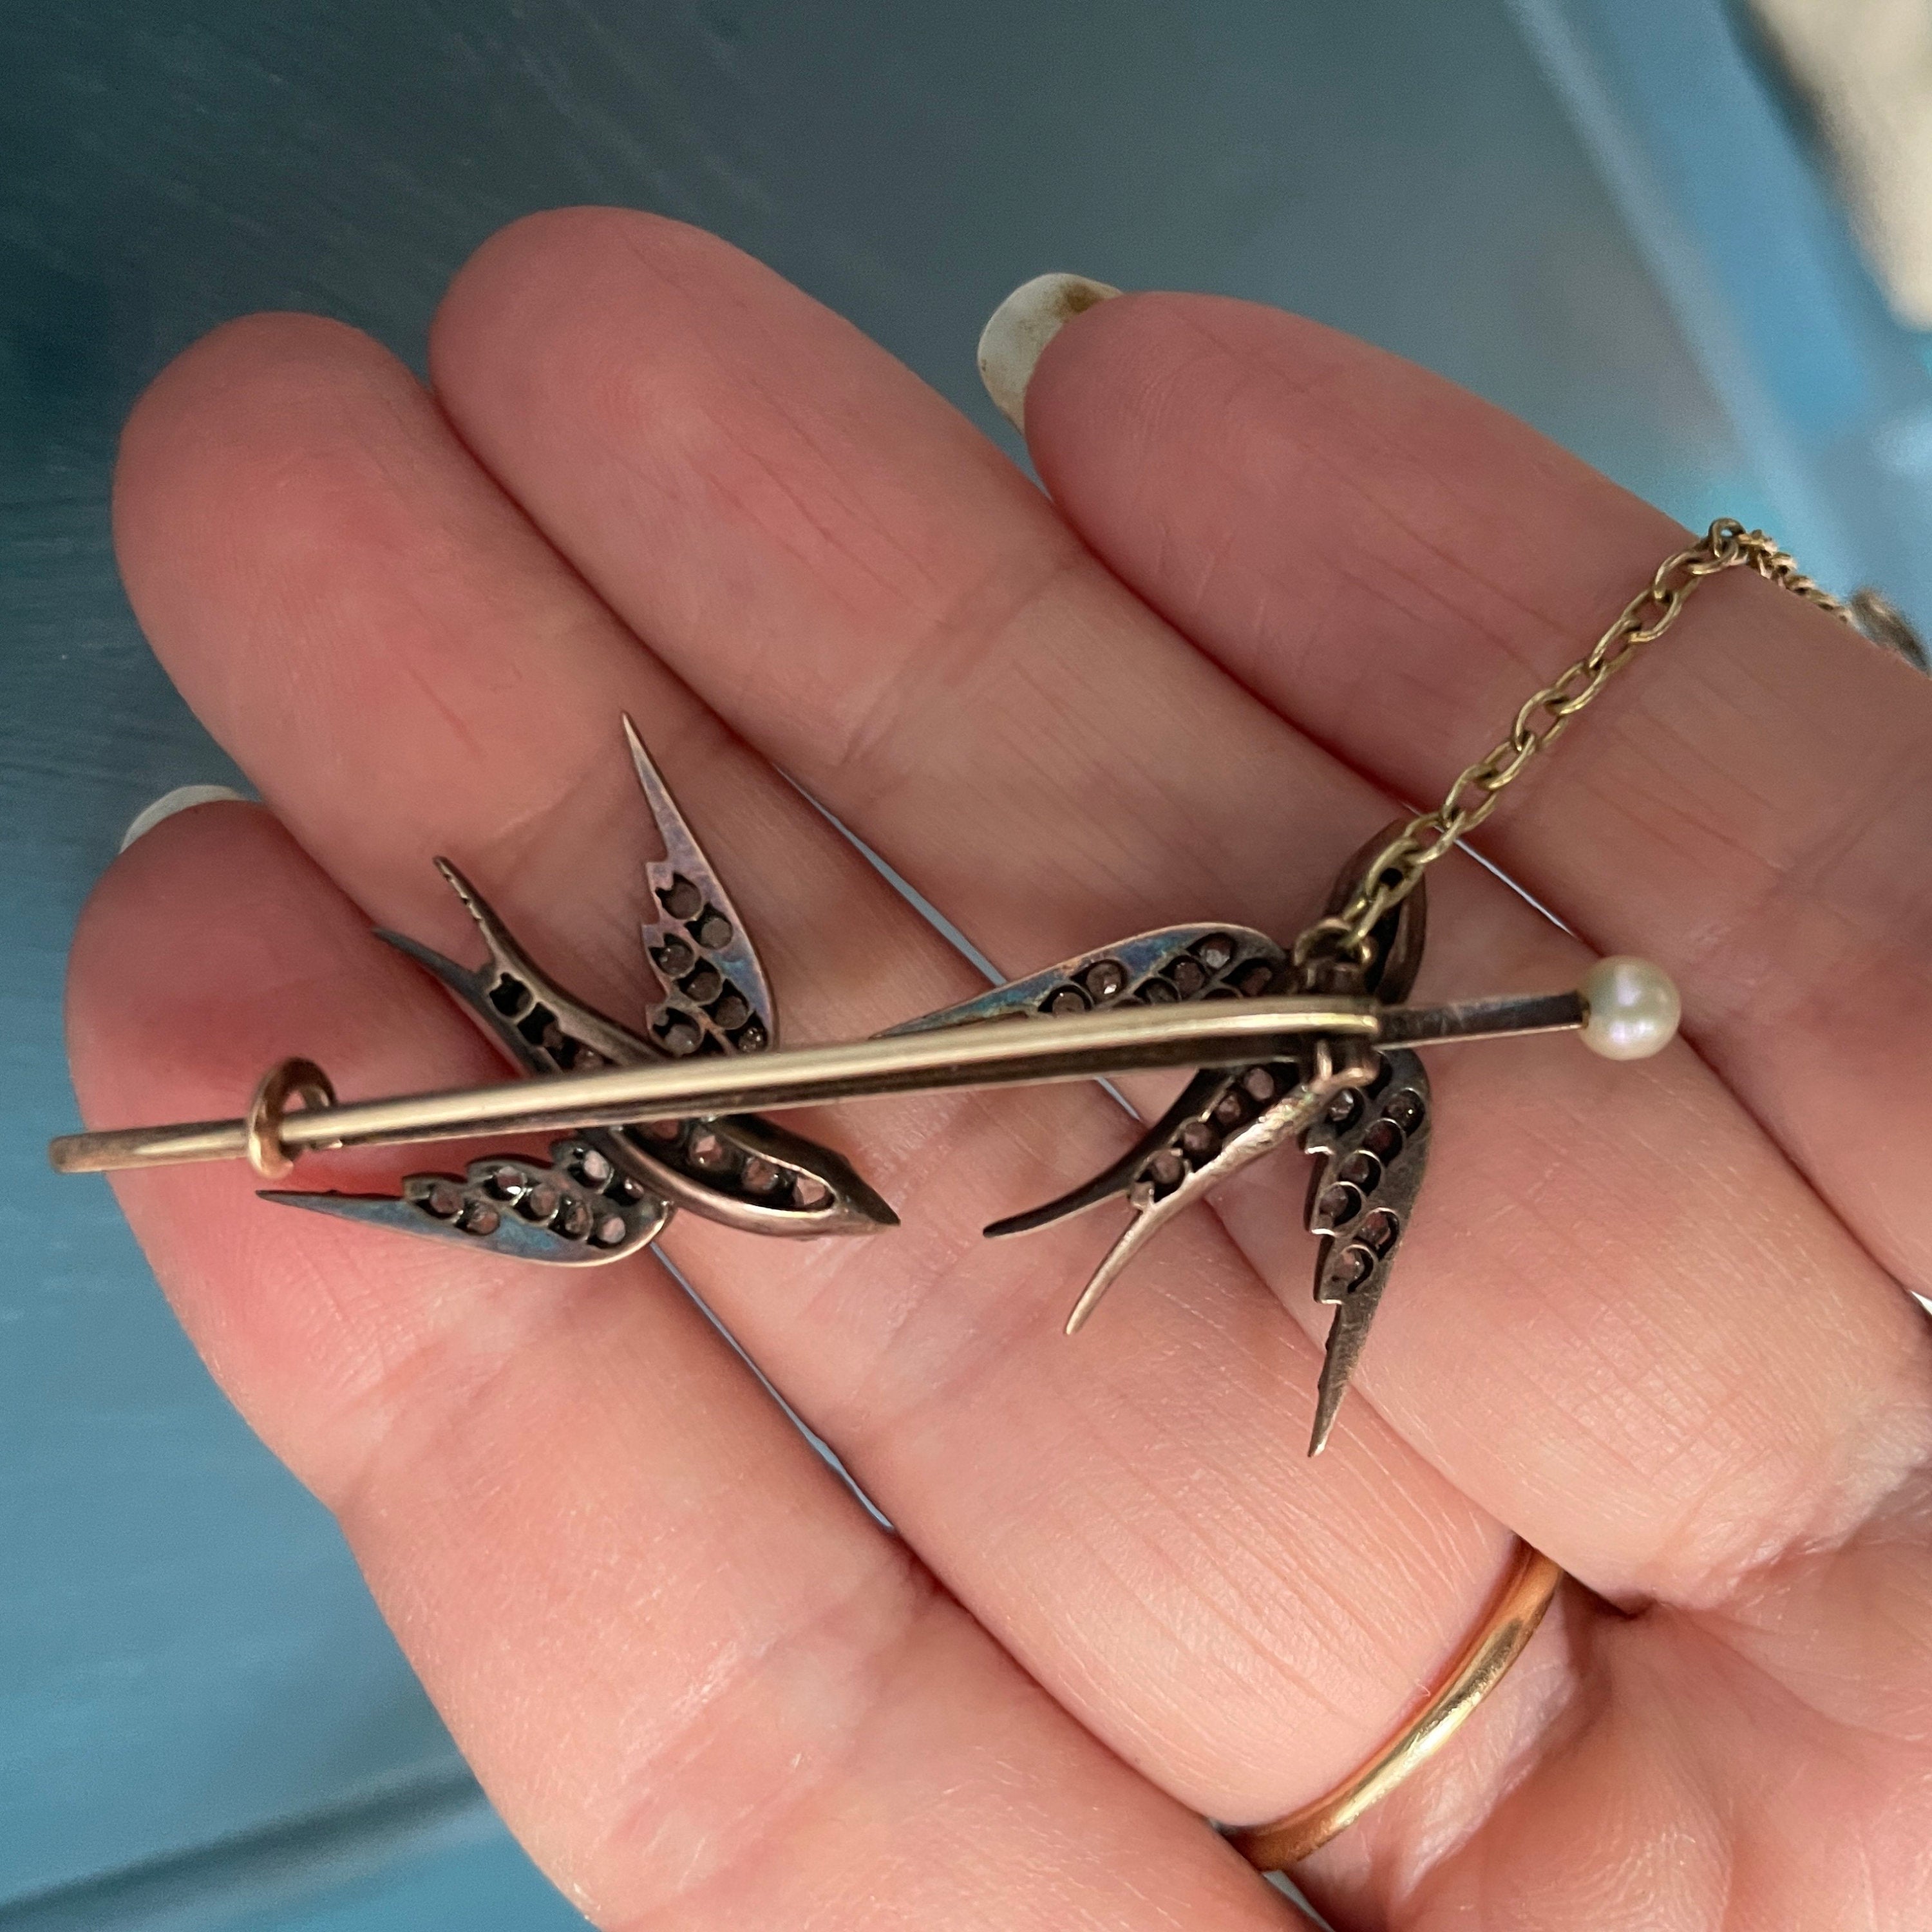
x=1650 y=1318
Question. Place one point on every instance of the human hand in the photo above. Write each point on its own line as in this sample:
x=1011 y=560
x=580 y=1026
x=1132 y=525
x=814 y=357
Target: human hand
x=1649 y=1317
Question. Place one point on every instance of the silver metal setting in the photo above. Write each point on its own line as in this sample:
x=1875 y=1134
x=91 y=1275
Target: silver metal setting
x=737 y=1169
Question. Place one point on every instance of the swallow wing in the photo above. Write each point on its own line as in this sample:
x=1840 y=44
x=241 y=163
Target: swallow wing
x=1372 y=1144
x=539 y=1026
x=1225 y=1120
x=578 y=1209
x=1176 y=962
x=716 y=997
x=1172 y=964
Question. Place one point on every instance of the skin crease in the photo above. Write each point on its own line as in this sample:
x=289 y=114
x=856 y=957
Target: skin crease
x=1650 y=1316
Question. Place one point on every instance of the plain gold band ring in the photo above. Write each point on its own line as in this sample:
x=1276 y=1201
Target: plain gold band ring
x=266 y=1154
x=1495 y=1644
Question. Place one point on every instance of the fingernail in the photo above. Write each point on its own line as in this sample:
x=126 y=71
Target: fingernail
x=180 y=799
x=1018 y=331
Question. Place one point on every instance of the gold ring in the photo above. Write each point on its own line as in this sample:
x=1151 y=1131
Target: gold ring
x=1495 y=1644
x=266 y=1154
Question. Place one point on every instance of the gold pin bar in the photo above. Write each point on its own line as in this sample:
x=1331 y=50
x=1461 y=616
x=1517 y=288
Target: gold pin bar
x=1082 y=1046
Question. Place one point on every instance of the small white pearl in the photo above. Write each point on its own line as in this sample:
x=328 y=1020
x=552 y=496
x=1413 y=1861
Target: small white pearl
x=1633 y=1008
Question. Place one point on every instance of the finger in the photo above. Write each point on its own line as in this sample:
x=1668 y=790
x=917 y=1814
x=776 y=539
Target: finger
x=1764 y=1768
x=1746 y=806
x=700 y=1684
x=1632 y=1332
x=1091 y=1504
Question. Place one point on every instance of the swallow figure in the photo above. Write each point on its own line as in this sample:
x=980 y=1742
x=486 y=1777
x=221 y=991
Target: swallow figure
x=1365 y=1117
x=604 y=1192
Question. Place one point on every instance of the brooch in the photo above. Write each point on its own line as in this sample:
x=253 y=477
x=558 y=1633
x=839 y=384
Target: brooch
x=1308 y=1041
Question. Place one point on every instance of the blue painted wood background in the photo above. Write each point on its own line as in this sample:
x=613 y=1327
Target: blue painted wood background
x=202 y=1724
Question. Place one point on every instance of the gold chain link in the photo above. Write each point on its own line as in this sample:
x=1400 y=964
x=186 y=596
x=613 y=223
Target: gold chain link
x=1393 y=873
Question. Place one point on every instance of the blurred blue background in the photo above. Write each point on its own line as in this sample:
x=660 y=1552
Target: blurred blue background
x=1596 y=212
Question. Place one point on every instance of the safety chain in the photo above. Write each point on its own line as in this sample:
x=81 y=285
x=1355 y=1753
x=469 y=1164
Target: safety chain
x=1395 y=871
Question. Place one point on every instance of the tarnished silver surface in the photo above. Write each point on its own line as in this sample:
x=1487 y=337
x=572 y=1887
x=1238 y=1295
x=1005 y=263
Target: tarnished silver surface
x=716 y=995
x=1223 y=1118
x=580 y=1208
x=734 y=1168
x=1211 y=1143
x=1159 y=968
x=1226 y=1119
x=1372 y=1141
